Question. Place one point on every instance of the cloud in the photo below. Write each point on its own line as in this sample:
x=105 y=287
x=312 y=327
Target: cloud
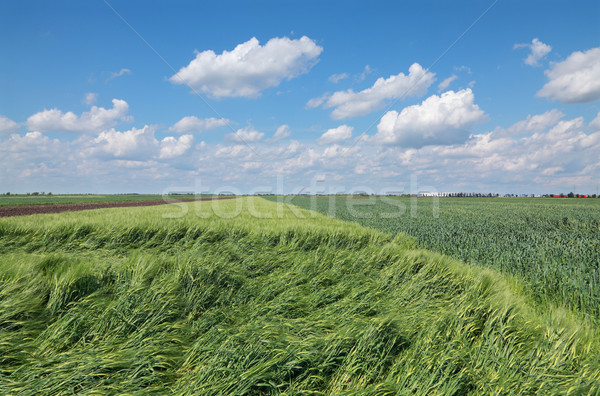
x=195 y=124
x=281 y=133
x=444 y=84
x=123 y=161
x=348 y=104
x=120 y=73
x=545 y=153
x=240 y=151
x=336 y=135
x=335 y=78
x=138 y=145
x=595 y=123
x=7 y=125
x=249 y=68
x=574 y=80
x=463 y=68
x=30 y=142
x=441 y=120
x=316 y=102
x=555 y=156
x=171 y=147
x=366 y=71
x=562 y=128
x=535 y=123
x=97 y=119
x=538 y=51
x=90 y=98
x=304 y=159
x=563 y=148
x=29 y=156
x=246 y=135
x=336 y=151
x=134 y=144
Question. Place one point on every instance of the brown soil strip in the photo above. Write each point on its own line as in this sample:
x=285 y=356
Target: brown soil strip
x=24 y=210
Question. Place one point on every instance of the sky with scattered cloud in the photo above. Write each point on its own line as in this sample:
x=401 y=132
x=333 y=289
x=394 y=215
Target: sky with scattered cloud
x=314 y=97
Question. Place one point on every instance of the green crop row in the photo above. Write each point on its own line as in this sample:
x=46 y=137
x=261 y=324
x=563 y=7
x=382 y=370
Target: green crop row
x=552 y=245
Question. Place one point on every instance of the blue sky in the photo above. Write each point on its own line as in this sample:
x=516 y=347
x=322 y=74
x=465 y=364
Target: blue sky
x=364 y=96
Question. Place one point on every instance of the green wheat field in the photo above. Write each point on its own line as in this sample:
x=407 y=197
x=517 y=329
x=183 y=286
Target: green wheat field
x=252 y=296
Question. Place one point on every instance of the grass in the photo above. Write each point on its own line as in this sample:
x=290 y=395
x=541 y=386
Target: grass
x=553 y=245
x=178 y=300
x=14 y=200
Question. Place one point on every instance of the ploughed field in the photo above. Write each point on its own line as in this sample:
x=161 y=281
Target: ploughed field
x=248 y=296
x=23 y=205
x=27 y=200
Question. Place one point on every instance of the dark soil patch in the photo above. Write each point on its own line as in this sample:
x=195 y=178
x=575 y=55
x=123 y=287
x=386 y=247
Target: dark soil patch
x=24 y=210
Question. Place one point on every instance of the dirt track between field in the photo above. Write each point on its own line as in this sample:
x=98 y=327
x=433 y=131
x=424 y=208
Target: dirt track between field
x=24 y=210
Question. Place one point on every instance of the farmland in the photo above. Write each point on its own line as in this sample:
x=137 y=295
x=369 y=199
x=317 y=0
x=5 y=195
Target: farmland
x=553 y=245
x=14 y=200
x=247 y=296
x=103 y=202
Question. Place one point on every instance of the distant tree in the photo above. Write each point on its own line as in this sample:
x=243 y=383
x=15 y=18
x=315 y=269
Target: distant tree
x=571 y=195
x=35 y=193
x=49 y=193
x=8 y=193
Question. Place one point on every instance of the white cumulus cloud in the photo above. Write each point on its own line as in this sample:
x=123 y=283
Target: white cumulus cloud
x=541 y=153
x=31 y=142
x=347 y=104
x=574 y=80
x=337 y=151
x=336 y=135
x=171 y=147
x=532 y=124
x=195 y=124
x=7 y=125
x=249 y=68
x=443 y=119
x=241 y=151
x=538 y=51
x=132 y=144
x=247 y=135
x=95 y=120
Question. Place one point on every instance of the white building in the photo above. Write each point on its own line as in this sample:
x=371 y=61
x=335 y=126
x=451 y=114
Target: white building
x=455 y=194
x=437 y=194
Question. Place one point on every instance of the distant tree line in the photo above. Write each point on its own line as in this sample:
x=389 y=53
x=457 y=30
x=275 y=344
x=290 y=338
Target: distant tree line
x=571 y=195
x=35 y=193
